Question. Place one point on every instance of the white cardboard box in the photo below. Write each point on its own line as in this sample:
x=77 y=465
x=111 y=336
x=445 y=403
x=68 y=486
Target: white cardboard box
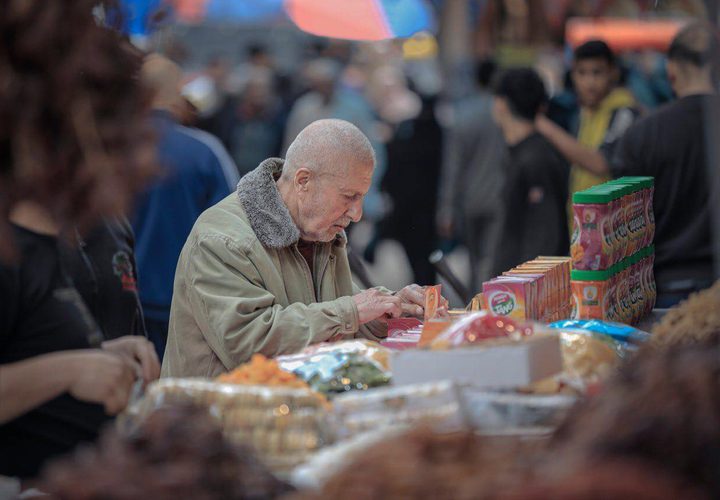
x=500 y=364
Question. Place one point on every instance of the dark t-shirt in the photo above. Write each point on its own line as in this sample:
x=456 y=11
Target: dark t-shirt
x=41 y=312
x=670 y=146
x=535 y=198
x=102 y=268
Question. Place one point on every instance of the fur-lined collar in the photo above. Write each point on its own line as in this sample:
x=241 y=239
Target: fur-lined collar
x=265 y=208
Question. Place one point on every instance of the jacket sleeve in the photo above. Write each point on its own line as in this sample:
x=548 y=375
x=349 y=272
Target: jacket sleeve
x=238 y=316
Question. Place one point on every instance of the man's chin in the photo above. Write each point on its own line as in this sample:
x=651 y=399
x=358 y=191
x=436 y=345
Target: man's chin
x=324 y=237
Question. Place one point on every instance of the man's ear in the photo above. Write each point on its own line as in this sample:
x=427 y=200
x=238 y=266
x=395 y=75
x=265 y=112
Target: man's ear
x=302 y=178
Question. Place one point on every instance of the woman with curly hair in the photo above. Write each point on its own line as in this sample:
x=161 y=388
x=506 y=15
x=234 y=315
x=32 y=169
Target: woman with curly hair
x=74 y=148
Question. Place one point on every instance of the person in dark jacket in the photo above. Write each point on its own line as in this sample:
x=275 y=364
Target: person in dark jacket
x=536 y=183
x=197 y=173
x=414 y=160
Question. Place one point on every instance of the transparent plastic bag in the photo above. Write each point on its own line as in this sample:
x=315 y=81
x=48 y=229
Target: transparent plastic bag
x=481 y=326
x=285 y=425
x=437 y=404
x=340 y=367
x=366 y=348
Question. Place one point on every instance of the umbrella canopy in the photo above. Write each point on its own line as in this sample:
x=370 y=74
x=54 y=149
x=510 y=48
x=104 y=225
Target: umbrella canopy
x=361 y=19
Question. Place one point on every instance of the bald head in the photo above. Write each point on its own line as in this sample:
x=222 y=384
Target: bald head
x=329 y=146
x=696 y=44
x=327 y=173
x=163 y=77
x=693 y=60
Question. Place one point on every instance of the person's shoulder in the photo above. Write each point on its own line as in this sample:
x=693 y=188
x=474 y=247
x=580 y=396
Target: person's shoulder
x=202 y=140
x=225 y=221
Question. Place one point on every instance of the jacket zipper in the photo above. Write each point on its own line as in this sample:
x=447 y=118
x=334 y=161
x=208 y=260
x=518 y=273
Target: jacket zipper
x=307 y=271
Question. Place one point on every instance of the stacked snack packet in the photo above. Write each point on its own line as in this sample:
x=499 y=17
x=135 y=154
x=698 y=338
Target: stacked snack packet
x=612 y=221
x=538 y=289
x=612 y=252
x=626 y=292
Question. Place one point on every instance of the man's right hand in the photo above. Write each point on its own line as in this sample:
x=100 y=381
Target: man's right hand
x=373 y=304
x=101 y=377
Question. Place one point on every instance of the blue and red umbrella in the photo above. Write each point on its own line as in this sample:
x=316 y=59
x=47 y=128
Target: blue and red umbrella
x=361 y=19
x=346 y=19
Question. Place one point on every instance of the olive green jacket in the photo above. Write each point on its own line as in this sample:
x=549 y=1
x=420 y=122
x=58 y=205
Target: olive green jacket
x=242 y=286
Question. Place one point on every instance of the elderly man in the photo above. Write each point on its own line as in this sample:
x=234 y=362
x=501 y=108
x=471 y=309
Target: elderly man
x=266 y=269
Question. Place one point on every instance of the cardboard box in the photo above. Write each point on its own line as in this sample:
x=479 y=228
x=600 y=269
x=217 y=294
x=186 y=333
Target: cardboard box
x=495 y=364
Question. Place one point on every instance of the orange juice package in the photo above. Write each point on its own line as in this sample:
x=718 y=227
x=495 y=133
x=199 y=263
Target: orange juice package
x=592 y=241
x=532 y=293
x=591 y=295
x=540 y=292
x=508 y=296
x=432 y=301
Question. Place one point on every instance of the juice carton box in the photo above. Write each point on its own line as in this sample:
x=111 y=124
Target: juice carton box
x=508 y=296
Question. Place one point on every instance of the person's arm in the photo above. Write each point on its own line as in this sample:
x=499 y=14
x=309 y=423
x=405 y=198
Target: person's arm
x=238 y=316
x=89 y=375
x=589 y=159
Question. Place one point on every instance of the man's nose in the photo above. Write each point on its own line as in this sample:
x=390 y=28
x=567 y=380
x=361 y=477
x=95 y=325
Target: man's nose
x=355 y=210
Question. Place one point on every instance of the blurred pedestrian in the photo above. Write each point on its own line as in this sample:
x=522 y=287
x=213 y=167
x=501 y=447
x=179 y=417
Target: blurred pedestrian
x=671 y=145
x=197 y=173
x=605 y=110
x=536 y=181
x=471 y=184
x=256 y=126
x=414 y=155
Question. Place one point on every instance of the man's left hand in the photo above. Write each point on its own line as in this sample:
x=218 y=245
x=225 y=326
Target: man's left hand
x=138 y=349
x=413 y=301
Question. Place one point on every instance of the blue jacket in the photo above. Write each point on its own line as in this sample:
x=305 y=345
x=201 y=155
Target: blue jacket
x=196 y=172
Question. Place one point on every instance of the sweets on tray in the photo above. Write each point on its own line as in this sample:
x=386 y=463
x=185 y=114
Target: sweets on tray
x=261 y=371
x=284 y=424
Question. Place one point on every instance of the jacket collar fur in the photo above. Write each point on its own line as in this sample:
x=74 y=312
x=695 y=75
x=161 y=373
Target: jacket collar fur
x=266 y=211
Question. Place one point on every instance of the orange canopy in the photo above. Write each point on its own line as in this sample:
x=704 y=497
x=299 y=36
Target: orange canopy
x=623 y=34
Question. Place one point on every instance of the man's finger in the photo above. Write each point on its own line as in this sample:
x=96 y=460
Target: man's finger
x=414 y=294
x=394 y=309
x=411 y=309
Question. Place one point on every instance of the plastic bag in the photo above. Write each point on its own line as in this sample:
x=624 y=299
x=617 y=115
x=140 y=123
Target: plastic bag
x=285 y=425
x=617 y=331
x=479 y=327
x=588 y=359
x=366 y=348
x=437 y=403
x=494 y=411
x=342 y=372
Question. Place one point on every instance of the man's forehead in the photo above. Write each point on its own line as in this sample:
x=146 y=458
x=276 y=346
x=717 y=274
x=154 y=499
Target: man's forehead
x=351 y=176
